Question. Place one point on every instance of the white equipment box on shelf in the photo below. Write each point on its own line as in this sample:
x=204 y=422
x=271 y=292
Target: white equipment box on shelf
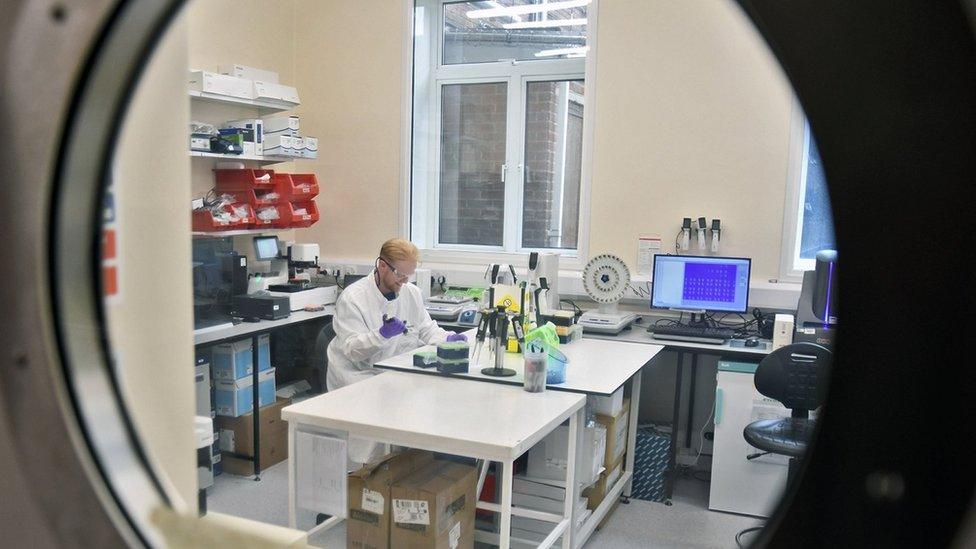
x=741 y=485
x=312 y=297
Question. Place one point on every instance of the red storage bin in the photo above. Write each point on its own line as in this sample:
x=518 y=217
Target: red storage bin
x=203 y=220
x=288 y=219
x=243 y=180
x=258 y=223
x=296 y=187
x=256 y=198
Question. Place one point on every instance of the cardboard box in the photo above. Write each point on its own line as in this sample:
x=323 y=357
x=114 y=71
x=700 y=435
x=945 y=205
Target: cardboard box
x=616 y=433
x=547 y=459
x=221 y=84
x=311 y=147
x=236 y=398
x=433 y=508
x=285 y=125
x=368 y=497
x=275 y=91
x=609 y=514
x=234 y=360
x=237 y=439
x=248 y=73
x=282 y=145
x=598 y=492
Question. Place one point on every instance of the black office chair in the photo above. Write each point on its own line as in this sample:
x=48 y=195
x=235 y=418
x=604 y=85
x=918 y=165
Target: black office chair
x=320 y=354
x=795 y=375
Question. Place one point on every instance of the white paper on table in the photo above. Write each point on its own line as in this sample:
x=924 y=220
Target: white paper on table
x=320 y=479
x=647 y=248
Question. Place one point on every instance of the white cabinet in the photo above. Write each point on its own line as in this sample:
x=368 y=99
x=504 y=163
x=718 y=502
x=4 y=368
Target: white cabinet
x=741 y=485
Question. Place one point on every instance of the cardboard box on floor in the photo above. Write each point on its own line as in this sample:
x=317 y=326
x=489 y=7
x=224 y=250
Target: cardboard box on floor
x=237 y=437
x=595 y=494
x=616 y=433
x=368 y=489
x=433 y=508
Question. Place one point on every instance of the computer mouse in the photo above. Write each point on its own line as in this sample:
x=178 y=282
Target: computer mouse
x=752 y=341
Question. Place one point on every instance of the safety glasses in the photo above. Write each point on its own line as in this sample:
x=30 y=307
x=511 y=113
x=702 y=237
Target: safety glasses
x=399 y=276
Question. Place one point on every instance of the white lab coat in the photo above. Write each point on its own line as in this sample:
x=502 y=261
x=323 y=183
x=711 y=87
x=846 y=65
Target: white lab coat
x=358 y=344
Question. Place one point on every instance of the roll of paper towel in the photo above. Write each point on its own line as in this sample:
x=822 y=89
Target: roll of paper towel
x=422 y=280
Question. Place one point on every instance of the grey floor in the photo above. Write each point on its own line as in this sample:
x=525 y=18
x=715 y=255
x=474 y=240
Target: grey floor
x=687 y=523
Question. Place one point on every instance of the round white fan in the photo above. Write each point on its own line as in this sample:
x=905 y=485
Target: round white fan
x=605 y=279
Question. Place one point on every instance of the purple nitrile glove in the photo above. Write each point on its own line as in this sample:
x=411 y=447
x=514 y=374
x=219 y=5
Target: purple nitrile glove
x=457 y=337
x=392 y=327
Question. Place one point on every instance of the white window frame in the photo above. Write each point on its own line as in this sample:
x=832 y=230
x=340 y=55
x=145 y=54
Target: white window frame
x=792 y=265
x=516 y=74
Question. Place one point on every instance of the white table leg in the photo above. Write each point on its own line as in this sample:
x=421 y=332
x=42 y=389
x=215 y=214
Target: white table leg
x=635 y=391
x=292 y=468
x=482 y=475
x=505 y=528
x=569 y=505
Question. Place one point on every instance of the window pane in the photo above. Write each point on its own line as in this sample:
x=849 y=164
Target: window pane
x=472 y=194
x=469 y=37
x=553 y=153
x=817 y=221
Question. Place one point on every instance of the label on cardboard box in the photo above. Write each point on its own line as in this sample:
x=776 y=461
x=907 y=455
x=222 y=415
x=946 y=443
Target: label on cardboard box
x=455 y=536
x=373 y=501
x=411 y=511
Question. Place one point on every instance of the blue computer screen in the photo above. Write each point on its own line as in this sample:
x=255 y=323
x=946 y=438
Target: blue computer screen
x=701 y=283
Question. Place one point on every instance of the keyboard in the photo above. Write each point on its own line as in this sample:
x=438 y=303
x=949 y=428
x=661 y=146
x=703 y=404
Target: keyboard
x=698 y=334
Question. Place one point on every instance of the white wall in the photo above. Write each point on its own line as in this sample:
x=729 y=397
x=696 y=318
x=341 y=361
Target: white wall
x=692 y=119
x=348 y=66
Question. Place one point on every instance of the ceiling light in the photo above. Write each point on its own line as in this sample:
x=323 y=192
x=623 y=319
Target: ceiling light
x=546 y=24
x=579 y=51
x=529 y=8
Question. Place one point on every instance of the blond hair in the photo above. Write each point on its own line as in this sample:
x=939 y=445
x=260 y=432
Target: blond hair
x=399 y=249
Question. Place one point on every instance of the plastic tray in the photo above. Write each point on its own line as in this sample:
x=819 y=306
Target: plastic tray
x=243 y=180
x=287 y=218
x=296 y=187
x=203 y=220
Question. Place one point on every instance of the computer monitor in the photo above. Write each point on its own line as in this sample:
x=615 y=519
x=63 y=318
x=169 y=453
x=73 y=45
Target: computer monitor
x=701 y=283
x=265 y=248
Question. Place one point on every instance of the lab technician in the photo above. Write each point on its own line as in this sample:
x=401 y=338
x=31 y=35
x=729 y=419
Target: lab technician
x=377 y=317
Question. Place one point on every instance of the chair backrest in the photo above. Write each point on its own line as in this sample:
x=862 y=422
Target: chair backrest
x=795 y=375
x=320 y=355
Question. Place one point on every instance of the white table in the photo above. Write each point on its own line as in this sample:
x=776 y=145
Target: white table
x=485 y=421
x=732 y=349
x=596 y=367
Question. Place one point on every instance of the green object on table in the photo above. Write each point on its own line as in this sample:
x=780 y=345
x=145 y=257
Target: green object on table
x=425 y=359
x=473 y=292
x=545 y=336
x=453 y=350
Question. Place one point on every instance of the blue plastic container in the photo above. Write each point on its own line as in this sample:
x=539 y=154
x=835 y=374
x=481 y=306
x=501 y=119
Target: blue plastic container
x=556 y=368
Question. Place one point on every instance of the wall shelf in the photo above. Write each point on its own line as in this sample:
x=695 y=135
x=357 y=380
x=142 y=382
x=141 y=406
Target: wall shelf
x=266 y=106
x=242 y=232
x=249 y=157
